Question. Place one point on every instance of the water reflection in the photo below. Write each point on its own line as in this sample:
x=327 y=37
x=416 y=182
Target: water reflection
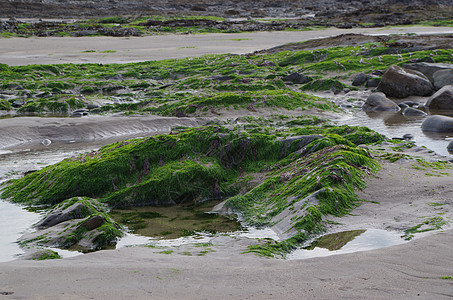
x=349 y=242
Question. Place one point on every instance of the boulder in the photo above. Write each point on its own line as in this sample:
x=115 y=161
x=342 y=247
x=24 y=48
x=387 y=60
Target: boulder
x=60 y=214
x=442 y=99
x=296 y=78
x=93 y=222
x=428 y=69
x=401 y=83
x=442 y=78
x=372 y=82
x=438 y=123
x=413 y=112
x=378 y=102
x=360 y=79
x=450 y=147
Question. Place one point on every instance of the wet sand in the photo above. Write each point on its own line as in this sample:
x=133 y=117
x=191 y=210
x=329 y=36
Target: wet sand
x=57 y=50
x=409 y=271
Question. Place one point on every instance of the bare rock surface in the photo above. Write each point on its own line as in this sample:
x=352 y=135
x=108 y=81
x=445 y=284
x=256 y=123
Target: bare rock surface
x=401 y=83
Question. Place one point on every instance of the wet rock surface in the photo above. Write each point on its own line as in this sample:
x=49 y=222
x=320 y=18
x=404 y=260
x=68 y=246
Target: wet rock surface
x=80 y=223
x=401 y=83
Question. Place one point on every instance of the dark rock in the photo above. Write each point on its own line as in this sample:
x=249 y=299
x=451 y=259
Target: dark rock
x=408 y=136
x=372 y=82
x=428 y=69
x=442 y=78
x=93 y=222
x=403 y=105
x=221 y=77
x=438 y=123
x=450 y=147
x=92 y=106
x=360 y=79
x=78 y=210
x=198 y=7
x=378 y=102
x=411 y=103
x=413 y=112
x=18 y=103
x=296 y=78
x=401 y=83
x=442 y=99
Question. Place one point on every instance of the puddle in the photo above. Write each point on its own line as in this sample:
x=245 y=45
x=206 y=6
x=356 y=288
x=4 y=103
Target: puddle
x=14 y=221
x=348 y=242
x=175 y=221
x=395 y=125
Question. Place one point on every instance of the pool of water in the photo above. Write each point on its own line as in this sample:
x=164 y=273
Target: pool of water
x=394 y=125
x=348 y=242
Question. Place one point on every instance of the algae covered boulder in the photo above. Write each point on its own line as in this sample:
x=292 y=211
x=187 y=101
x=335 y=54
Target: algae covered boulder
x=79 y=222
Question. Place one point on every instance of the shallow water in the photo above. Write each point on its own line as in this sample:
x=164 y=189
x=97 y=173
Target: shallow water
x=369 y=239
x=14 y=221
x=394 y=125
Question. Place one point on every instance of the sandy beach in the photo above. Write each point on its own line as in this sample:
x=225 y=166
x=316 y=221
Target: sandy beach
x=399 y=196
x=57 y=50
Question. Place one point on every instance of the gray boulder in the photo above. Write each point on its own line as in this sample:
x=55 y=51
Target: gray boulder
x=401 y=83
x=450 y=147
x=438 y=123
x=296 y=78
x=442 y=78
x=442 y=99
x=78 y=210
x=428 y=69
x=413 y=112
x=360 y=79
x=379 y=102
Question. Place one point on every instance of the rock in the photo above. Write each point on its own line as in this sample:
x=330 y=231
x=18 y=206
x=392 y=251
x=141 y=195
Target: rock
x=442 y=78
x=372 y=82
x=93 y=222
x=408 y=136
x=76 y=115
x=92 y=106
x=378 y=102
x=78 y=210
x=296 y=78
x=46 y=142
x=360 y=79
x=413 y=112
x=401 y=83
x=450 y=147
x=18 y=103
x=427 y=69
x=438 y=123
x=442 y=99
x=403 y=105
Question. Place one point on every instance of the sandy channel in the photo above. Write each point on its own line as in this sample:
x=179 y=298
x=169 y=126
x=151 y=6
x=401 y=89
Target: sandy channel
x=57 y=50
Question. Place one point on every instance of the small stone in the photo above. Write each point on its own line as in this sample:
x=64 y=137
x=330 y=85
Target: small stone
x=46 y=142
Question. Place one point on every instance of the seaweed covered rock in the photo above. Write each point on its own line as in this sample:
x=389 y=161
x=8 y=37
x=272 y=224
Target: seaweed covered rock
x=77 y=222
x=379 y=102
x=401 y=83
